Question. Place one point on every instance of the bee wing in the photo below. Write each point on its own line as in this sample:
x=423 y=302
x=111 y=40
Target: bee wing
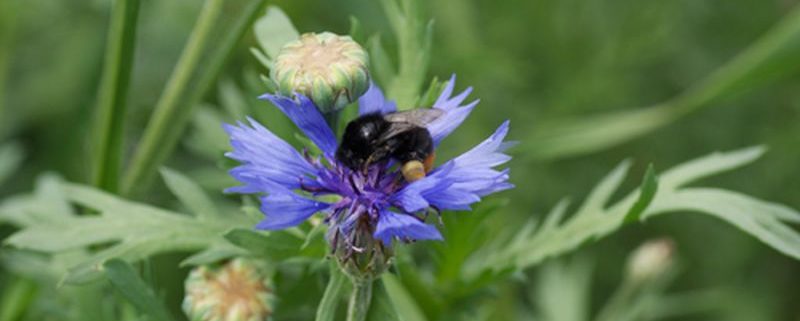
x=406 y=120
x=420 y=117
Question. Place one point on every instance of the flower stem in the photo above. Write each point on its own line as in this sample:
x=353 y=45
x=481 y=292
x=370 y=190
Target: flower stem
x=150 y=151
x=359 y=300
x=332 y=118
x=110 y=113
x=174 y=110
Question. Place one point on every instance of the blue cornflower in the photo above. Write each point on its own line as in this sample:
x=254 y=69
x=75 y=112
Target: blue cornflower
x=378 y=201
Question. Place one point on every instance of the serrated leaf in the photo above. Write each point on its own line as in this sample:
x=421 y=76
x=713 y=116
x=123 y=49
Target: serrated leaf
x=213 y=254
x=275 y=245
x=382 y=69
x=647 y=191
x=413 y=35
x=766 y=221
x=120 y=229
x=356 y=30
x=128 y=283
x=190 y=194
x=273 y=30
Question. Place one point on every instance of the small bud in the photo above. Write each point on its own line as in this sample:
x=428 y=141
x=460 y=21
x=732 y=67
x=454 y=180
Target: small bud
x=360 y=255
x=236 y=291
x=651 y=259
x=331 y=70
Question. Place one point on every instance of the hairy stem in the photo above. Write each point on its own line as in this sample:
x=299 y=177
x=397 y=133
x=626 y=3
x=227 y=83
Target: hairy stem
x=359 y=300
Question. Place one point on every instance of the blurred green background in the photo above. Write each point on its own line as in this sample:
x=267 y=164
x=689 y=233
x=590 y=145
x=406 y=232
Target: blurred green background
x=534 y=62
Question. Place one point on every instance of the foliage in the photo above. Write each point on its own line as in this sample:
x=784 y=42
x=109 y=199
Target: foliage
x=90 y=253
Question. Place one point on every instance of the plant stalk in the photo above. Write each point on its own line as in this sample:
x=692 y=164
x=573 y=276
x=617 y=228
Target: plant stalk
x=149 y=152
x=360 y=299
x=111 y=102
x=173 y=113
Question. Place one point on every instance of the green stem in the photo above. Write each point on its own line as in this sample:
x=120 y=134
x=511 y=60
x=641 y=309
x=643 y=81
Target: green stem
x=332 y=118
x=149 y=152
x=172 y=114
x=110 y=114
x=359 y=300
x=619 y=301
x=16 y=299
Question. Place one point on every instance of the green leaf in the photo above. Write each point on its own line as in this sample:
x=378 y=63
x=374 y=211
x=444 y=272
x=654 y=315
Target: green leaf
x=213 y=254
x=648 y=191
x=122 y=229
x=356 y=30
x=774 y=56
x=128 y=283
x=563 y=291
x=207 y=137
x=326 y=311
x=276 y=246
x=273 y=30
x=404 y=304
x=414 y=37
x=16 y=299
x=190 y=194
x=382 y=69
x=766 y=221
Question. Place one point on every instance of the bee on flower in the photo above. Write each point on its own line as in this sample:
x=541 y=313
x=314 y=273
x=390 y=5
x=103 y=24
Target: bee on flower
x=381 y=171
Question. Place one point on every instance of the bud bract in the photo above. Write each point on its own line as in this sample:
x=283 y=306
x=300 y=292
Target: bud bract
x=651 y=259
x=331 y=70
x=360 y=255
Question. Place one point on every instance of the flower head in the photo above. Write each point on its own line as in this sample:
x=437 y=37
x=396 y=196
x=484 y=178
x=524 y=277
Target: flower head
x=329 y=69
x=375 y=206
x=234 y=292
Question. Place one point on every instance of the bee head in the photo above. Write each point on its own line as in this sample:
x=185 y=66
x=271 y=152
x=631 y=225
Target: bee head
x=359 y=141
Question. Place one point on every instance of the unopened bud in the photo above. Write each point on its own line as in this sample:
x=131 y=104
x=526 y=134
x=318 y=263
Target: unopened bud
x=237 y=291
x=360 y=255
x=331 y=70
x=651 y=259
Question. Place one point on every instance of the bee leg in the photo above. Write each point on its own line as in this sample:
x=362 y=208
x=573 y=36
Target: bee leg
x=413 y=170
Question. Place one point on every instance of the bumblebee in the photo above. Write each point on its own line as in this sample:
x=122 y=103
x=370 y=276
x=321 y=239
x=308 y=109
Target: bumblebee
x=402 y=136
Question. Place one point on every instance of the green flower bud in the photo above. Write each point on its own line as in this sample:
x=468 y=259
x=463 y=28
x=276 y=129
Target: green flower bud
x=651 y=260
x=362 y=257
x=329 y=69
x=237 y=291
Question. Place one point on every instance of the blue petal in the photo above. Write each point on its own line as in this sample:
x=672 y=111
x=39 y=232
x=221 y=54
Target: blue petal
x=287 y=209
x=404 y=227
x=265 y=159
x=454 y=114
x=307 y=117
x=462 y=181
x=373 y=101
